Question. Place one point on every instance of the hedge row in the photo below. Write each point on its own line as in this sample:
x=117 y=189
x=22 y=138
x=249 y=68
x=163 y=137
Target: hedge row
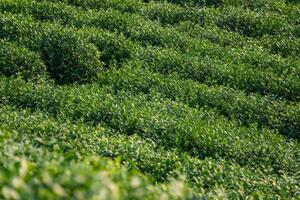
x=68 y=57
x=78 y=141
x=171 y=14
x=28 y=172
x=229 y=15
x=212 y=72
x=19 y=61
x=279 y=6
x=264 y=5
x=74 y=50
x=210 y=50
x=200 y=133
x=287 y=47
x=146 y=32
x=122 y=5
x=282 y=45
x=254 y=24
x=247 y=109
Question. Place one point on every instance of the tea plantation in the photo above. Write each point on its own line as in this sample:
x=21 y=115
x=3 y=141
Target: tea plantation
x=149 y=99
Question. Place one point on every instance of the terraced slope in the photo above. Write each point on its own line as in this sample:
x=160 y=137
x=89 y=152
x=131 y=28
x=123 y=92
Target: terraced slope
x=132 y=99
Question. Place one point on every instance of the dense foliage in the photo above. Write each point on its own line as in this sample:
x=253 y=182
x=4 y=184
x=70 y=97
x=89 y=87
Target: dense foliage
x=156 y=99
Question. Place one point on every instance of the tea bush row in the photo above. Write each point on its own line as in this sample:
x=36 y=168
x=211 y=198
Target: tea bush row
x=248 y=109
x=19 y=61
x=265 y=5
x=146 y=31
x=214 y=72
x=68 y=57
x=226 y=18
x=168 y=13
x=285 y=92
x=209 y=71
x=198 y=132
x=33 y=173
x=79 y=142
x=281 y=45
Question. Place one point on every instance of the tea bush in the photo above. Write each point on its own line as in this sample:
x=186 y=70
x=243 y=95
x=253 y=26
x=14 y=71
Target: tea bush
x=68 y=57
x=15 y=60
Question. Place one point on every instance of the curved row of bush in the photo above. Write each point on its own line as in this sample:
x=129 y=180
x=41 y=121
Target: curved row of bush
x=28 y=172
x=287 y=47
x=19 y=61
x=134 y=5
x=251 y=23
x=286 y=92
x=254 y=24
x=122 y=5
x=146 y=31
x=212 y=72
x=112 y=46
x=78 y=141
x=70 y=55
x=279 y=6
x=171 y=14
x=227 y=17
x=234 y=104
x=200 y=133
x=281 y=45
